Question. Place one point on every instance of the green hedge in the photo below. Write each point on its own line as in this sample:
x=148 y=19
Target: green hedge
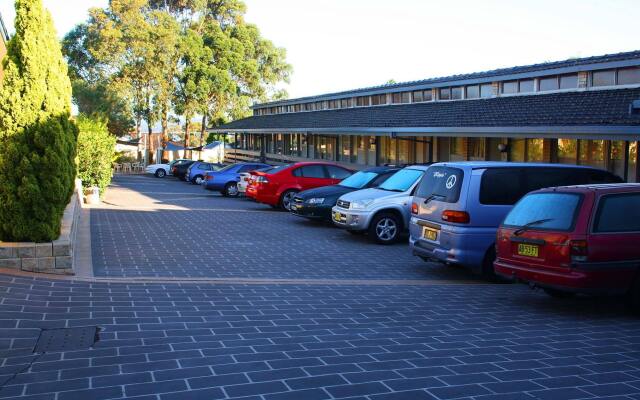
x=96 y=152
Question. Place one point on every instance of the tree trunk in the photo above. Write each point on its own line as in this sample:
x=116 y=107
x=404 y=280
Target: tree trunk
x=149 y=144
x=186 y=138
x=165 y=124
x=203 y=129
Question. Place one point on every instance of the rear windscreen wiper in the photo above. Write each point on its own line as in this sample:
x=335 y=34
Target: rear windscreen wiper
x=433 y=197
x=528 y=225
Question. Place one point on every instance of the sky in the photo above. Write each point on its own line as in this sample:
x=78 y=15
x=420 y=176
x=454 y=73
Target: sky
x=337 y=45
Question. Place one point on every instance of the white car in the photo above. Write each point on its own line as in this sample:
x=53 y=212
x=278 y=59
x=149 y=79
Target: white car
x=244 y=180
x=162 y=170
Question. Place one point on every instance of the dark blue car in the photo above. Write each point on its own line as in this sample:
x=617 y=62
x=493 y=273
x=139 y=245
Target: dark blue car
x=226 y=180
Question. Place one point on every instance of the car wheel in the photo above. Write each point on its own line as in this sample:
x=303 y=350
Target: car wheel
x=488 y=271
x=385 y=228
x=160 y=173
x=230 y=190
x=633 y=296
x=558 y=294
x=286 y=199
x=197 y=180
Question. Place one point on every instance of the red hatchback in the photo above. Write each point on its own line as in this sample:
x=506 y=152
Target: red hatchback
x=574 y=239
x=278 y=186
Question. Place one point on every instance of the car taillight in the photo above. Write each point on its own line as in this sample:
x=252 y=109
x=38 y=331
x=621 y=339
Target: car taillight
x=208 y=177
x=174 y=169
x=261 y=179
x=414 y=208
x=460 y=217
x=579 y=250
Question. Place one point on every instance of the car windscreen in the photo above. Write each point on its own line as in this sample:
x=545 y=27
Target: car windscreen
x=441 y=183
x=402 y=180
x=547 y=211
x=358 y=180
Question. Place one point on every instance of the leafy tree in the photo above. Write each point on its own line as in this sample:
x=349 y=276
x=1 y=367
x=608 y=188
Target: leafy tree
x=37 y=139
x=96 y=152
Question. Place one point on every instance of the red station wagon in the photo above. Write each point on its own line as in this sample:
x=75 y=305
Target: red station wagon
x=278 y=186
x=574 y=239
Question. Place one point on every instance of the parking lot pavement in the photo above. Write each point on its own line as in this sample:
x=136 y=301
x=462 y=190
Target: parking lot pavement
x=380 y=326
x=217 y=341
x=167 y=228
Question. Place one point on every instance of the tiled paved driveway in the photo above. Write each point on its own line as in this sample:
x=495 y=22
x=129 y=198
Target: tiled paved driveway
x=309 y=340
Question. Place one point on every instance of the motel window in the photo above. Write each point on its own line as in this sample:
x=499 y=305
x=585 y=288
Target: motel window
x=549 y=83
x=345 y=103
x=569 y=81
x=417 y=96
x=379 y=99
x=427 y=95
x=456 y=93
x=445 y=94
x=632 y=169
x=616 y=157
x=456 y=149
x=476 y=149
x=567 y=151
x=510 y=87
x=298 y=107
x=517 y=150
x=362 y=101
x=486 y=90
x=526 y=86
x=591 y=153
x=404 y=97
x=629 y=76
x=333 y=104
x=473 y=92
x=603 y=78
x=535 y=150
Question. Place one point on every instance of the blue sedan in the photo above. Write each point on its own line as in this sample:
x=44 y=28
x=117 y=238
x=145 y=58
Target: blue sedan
x=226 y=180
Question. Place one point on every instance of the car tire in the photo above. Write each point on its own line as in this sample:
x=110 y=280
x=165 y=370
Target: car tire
x=385 y=228
x=633 y=296
x=197 y=180
x=160 y=173
x=286 y=199
x=488 y=271
x=558 y=294
x=231 y=190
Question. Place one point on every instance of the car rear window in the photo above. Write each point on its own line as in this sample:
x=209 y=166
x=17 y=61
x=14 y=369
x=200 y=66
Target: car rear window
x=443 y=183
x=618 y=213
x=548 y=211
x=279 y=168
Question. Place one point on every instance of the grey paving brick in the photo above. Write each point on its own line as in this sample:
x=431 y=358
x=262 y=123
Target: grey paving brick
x=315 y=382
x=456 y=392
x=261 y=388
x=307 y=394
x=360 y=389
x=155 y=388
x=92 y=394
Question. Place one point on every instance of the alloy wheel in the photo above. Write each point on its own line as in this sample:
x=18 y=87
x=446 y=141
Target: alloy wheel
x=386 y=229
x=287 y=199
x=232 y=190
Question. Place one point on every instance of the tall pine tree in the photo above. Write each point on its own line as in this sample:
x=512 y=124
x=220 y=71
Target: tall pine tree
x=37 y=138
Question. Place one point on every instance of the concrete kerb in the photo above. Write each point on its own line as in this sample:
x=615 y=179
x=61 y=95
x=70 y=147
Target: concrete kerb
x=54 y=257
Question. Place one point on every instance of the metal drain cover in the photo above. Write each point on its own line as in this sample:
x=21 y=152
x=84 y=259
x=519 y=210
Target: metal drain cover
x=66 y=339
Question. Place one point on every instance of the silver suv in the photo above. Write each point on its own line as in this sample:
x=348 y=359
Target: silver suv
x=382 y=212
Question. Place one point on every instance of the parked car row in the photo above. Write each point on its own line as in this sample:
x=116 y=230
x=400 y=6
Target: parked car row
x=564 y=228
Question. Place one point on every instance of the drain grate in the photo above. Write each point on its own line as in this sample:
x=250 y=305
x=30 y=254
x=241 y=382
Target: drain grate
x=66 y=339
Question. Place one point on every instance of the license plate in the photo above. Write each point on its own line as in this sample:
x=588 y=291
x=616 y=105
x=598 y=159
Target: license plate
x=337 y=216
x=430 y=234
x=528 y=250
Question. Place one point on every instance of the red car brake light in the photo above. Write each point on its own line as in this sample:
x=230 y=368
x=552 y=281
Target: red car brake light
x=208 y=177
x=261 y=179
x=579 y=250
x=414 y=208
x=460 y=217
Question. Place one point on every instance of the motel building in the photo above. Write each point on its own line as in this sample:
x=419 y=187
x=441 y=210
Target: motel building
x=580 y=111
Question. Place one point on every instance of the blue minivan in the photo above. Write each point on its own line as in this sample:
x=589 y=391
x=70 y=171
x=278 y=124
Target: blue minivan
x=458 y=206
